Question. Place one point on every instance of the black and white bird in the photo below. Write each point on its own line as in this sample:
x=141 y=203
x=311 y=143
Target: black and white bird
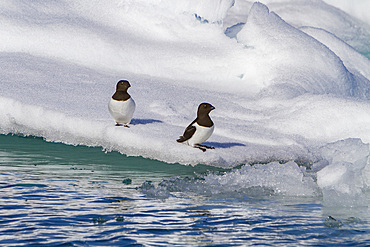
x=122 y=106
x=200 y=129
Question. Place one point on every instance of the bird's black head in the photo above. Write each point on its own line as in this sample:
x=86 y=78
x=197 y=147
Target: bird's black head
x=123 y=85
x=204 y=109
x=121 y=91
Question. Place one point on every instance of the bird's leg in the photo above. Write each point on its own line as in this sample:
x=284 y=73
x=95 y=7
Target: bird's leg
x=205 y=146
x=124 y=125
x=201 y=148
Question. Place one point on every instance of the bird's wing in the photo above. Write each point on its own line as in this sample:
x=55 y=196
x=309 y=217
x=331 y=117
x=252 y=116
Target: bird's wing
x=188 y=133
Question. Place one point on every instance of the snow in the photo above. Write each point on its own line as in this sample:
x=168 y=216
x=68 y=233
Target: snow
x=359 y=10
x=275 y=40
x=354 y=62
x=317 y=14
x=345 y=179
x=288 y=80
x=341 y=179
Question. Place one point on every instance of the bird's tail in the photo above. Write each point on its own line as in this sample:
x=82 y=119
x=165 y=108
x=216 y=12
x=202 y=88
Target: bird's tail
x=181 y=139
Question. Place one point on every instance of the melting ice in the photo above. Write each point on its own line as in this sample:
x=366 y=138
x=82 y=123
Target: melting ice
x=288 y=79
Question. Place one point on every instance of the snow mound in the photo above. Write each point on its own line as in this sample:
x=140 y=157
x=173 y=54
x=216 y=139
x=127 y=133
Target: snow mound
x=359 y=10
x=317 y=14
x=280 y=91
x=344 y=181
x=295 y=62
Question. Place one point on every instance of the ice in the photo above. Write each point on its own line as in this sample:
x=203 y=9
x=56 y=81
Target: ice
x=286 y=78
x=340 y=178
x=285 y=179
x=259 y=180
x=359 y=10
x=332 y=222
x=344 y=180
x=275 y=40
x=208 y=10
x=318 y=14
x=356 y=63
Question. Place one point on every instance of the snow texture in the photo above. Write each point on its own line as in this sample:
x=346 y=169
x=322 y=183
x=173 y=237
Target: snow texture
x=288 y=79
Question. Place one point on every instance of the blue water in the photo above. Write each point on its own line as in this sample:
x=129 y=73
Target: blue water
x=59 y=195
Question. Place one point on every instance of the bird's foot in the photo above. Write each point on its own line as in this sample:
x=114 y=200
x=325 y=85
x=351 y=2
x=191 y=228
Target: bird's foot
x=203 y=147
x=124 y=125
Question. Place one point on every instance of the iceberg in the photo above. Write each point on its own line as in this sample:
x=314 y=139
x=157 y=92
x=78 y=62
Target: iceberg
x=304 y=65
x=282 y=89
x=344 y=181
x=348 y=21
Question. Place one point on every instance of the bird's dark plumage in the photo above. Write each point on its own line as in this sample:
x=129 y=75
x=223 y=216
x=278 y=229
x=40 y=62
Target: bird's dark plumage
x=188 y=133
x=204 y=125
x=121 y=106
x=121 y=93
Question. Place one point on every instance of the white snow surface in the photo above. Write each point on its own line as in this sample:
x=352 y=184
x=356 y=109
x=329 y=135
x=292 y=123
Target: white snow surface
x=288 y=82
x=358 y=8
x=343 y=18
x=280 y=92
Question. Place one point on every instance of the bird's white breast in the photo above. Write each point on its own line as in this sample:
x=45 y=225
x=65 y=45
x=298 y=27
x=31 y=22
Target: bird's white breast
x=122 y=111
x=201 y=134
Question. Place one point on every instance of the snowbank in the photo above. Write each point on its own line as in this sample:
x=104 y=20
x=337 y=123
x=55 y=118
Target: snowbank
x=356 y=63
x=280 y=92
x=295 y=62
x=345 y=180
x=360 y=9
x=284 y=85
x=318 y=14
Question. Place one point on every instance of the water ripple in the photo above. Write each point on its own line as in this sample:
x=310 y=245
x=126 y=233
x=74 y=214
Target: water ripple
x=53 y=205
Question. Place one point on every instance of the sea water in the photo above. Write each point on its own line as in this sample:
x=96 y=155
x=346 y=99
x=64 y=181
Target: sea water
x=60 y=195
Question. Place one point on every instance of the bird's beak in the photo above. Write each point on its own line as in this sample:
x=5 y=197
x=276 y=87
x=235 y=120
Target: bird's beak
x=212 y=108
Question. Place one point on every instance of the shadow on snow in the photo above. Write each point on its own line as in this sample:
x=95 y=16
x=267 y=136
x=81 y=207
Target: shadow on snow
x=137 y=121
x=224 y=144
